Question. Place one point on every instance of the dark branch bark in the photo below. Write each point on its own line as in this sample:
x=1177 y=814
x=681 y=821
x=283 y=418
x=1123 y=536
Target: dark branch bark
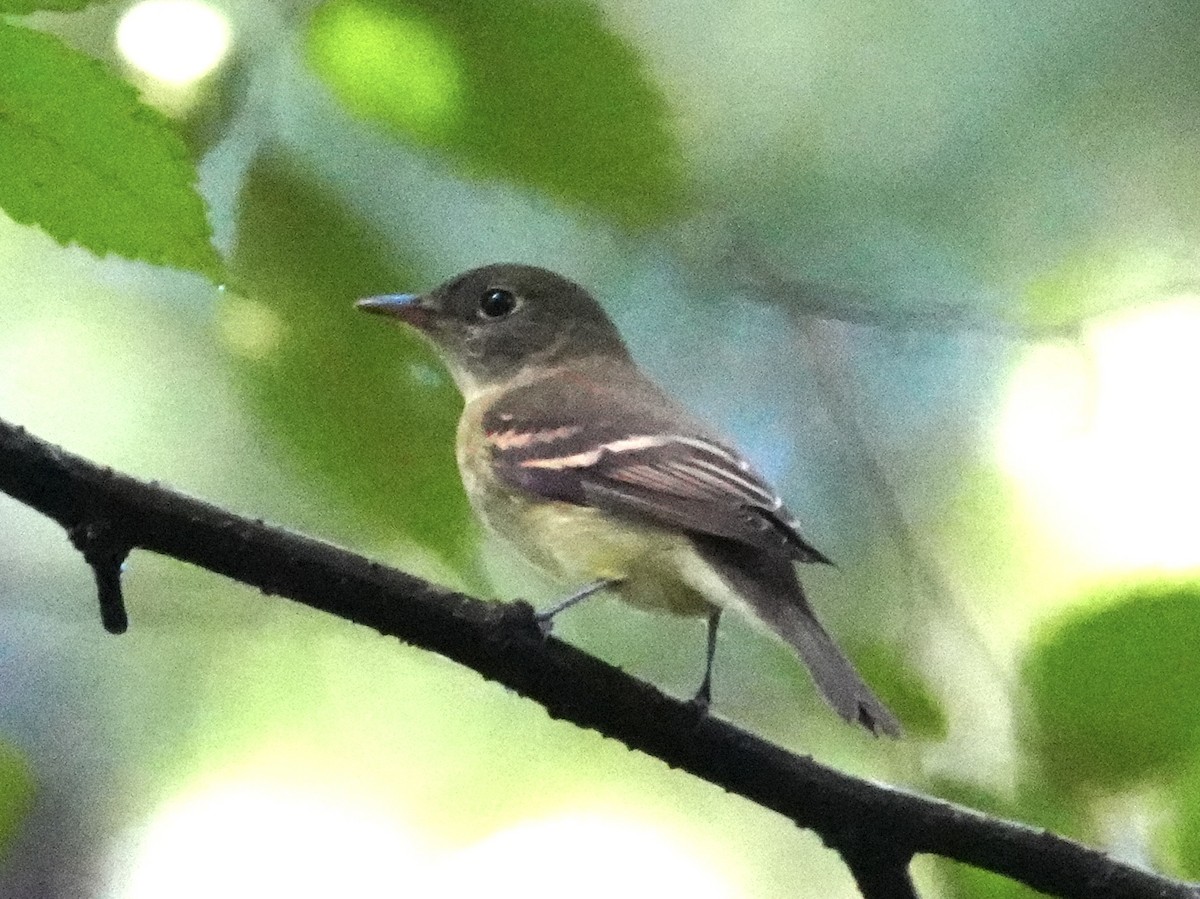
x=106 y=553
x=875 y=828
x=878 y=872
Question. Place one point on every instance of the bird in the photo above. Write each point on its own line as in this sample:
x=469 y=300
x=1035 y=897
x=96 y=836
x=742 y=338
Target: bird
x=598 y=477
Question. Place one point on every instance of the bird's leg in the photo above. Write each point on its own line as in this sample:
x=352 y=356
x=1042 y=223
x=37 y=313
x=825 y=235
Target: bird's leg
x=545 y=618
x=703 y=696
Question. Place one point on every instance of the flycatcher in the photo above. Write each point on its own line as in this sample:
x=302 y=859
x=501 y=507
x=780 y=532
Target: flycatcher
x=596 y=475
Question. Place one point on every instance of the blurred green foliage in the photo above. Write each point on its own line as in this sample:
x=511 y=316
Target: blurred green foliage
x=541 y=94
x=83 y=159
x=363 y=406
x=1186 y=830
x=903 y=690
x=975 y=518
x=16 y=793
x=17 y=7
x=1115 y=688
x=1037 y=160
x=965 y=882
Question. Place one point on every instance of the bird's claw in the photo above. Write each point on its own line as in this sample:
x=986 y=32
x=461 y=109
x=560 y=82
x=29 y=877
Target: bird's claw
x=544 y=622
x=520 y=615
x=702 y=701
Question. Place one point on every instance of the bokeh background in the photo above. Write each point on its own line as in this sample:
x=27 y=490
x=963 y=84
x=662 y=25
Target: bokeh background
x=934 y=265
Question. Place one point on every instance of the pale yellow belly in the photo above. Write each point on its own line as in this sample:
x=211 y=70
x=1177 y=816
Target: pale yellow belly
x=578 y=545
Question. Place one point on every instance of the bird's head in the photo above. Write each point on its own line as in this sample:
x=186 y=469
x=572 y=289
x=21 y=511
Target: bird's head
x=491 y=323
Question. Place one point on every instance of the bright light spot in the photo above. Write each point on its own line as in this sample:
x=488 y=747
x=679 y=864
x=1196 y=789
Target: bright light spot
x=247 y=841
x=387 y=65
x=586 y=856
x=1048 y=409
x=250 y=839
x=1105 y=440
x=174 y=41
x=249 y=328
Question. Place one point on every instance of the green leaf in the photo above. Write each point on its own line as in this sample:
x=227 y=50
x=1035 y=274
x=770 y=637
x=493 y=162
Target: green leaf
x=84 y=160
x=903 y=690
x=1115 y=688
x=539 y=93
x=363 y=405
x=16 y=793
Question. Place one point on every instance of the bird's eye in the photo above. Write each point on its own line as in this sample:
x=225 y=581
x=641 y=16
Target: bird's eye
x=497 y=302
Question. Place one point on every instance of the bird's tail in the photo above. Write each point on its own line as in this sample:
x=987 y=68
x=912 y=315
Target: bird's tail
x=836 y=678
x=769 y=587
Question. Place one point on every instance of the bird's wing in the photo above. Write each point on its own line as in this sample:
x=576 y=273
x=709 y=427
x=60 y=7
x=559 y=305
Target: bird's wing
x=628 y=450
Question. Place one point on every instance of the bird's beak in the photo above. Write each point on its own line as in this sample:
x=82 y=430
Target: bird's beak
x=410 y=308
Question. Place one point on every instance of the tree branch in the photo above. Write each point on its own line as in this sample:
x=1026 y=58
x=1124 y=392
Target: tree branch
x=879 y=872
x=875 y=828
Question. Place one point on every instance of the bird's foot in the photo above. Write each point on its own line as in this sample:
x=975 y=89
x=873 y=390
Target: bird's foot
x=544 y=621
x=702 y=701
x=521 y=616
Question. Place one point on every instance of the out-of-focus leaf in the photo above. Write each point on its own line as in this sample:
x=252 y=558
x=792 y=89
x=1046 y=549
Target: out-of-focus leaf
x=1026 y=170
x=83 y=159
x=902 y=690
x=16 y=793
x=1187 y=823
x=539 y=93
x=1097 y=280
x=1115 y=688
x=19 y=7
x=1073 y=182
x=968 y=882
x=981 y=518
x=213 y=103
x=362 y=403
